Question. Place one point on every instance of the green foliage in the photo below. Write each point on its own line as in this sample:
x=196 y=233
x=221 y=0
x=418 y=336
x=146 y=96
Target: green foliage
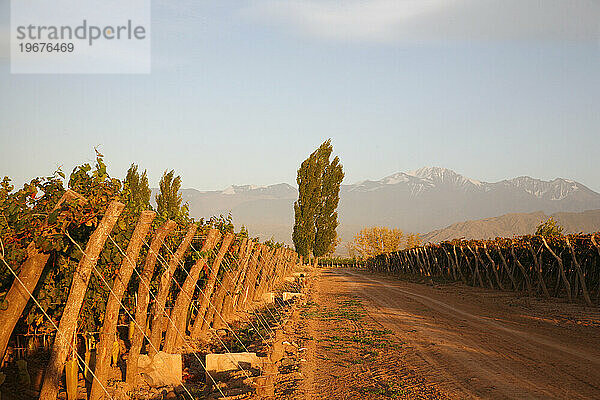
x=315 y=213
x=31 y=215
x=136 y=190
x=326 y=220
x=26 y=216
x=305 y=208
x=168 y=201
x=549 y=228
x=223 y=223
x=243 y=232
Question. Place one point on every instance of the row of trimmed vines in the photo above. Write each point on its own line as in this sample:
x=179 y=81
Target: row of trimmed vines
x=92 y=258
x=553 y=266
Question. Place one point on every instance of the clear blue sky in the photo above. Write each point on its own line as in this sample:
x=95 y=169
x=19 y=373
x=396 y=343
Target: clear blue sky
x=242 y=91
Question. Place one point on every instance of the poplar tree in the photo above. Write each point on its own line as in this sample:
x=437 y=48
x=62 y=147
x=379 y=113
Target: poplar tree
x=319 y=181
x=138 y=190
x=309 y=187
x=168 y=200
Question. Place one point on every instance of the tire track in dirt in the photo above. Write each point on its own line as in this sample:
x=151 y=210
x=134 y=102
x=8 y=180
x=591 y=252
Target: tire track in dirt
x=468 y=353
x=350 y=355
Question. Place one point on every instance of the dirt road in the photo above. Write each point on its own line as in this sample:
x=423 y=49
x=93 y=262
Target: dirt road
x=371 y=336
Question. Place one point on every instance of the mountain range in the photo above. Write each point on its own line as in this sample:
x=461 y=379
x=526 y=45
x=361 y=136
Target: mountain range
x=515 y=224
x=423 y=200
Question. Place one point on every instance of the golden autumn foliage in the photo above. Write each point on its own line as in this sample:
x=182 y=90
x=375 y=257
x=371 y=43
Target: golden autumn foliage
x=375 y=240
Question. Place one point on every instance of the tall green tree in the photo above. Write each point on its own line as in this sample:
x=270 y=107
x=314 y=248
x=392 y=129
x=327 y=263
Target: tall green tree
x=137 y=189
x=309 y=187
x=326 y=220
x=315 y=212
x=169 y=200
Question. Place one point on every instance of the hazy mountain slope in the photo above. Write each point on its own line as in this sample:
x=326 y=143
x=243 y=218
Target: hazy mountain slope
x=515 y=224
x=267 y=211
x=419 y=201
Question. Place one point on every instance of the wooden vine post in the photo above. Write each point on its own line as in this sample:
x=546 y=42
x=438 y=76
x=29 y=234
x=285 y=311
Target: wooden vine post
x=450 y=264
x=29 y=275
x=231 y=301
x=158 y=316
x=213 y=317
x=477 y=273
x=173 y=337
x=468 y=262
x=538 y=269
x=493 y=263
x=523 y=270
x=219 y=318
x=68 y=321
x=266 y=275
x=457 y=263
x=586 y=295
x=484 y=267
x=561 y=267
x=592 y=237
x=250 y=282
x=240 y=295
x=143 y=298
x=508 y=270
x=208 y=289
x=109 y=327
x=263 y=265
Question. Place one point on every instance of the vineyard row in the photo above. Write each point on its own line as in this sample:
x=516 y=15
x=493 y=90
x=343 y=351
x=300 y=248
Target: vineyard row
x=190 y=278
x=553 y=266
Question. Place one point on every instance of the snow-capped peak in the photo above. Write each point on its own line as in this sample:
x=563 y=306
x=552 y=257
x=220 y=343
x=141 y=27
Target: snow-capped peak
x=439 y=175
x=394 y=179
x=556 y=189
x=235 y=189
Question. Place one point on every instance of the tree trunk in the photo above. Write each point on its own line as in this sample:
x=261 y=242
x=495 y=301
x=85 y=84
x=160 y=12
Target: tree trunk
x=586 y=295
x=179 y=313
x=143 y=298
x=208 y=289
x=29 y=275
x=159 y=315
x=561 y=267
x=109 y=328
x=68 y=320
